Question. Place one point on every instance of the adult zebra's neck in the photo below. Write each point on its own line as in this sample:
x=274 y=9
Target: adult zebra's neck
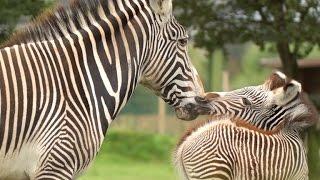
x=65 y=20
x=101 y=44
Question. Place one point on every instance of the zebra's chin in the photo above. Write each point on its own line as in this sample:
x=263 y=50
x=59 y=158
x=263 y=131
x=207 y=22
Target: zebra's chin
x=191 y=111
x=185 y=114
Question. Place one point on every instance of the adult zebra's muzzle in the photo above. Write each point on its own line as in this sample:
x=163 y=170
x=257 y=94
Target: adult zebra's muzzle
x=192 y=110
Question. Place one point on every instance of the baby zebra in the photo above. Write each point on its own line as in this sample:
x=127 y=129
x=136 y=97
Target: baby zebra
x=254 y=133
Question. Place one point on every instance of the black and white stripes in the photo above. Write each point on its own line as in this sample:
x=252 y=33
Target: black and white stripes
x=221 y=150
x=265 y=106
x=254 y=133
x=65 y=78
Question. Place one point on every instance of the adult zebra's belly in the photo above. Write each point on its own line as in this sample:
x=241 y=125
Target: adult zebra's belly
x=220 y=150
x=21 y=164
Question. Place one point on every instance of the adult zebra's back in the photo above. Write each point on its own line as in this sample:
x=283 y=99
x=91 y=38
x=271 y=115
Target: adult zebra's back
x=66 y=77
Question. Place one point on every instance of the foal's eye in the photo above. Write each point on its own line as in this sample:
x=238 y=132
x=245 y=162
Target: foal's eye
x=183 y=42
x=274 y=106
x=246 y=102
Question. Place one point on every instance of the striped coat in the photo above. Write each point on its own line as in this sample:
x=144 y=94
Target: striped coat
x=66 y=77
x=221 y=150
x=254 y=133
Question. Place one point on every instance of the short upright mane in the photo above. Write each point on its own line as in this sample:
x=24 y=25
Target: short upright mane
x=56 y=22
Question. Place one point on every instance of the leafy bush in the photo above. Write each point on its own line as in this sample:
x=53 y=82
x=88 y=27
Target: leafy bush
x=139 y=146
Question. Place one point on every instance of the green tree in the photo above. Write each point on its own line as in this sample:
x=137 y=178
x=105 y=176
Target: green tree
x=291 y=26
x=12 y=10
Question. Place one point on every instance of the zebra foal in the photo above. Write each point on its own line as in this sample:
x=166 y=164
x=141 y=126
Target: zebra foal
x=66 y=77
x=254 y=133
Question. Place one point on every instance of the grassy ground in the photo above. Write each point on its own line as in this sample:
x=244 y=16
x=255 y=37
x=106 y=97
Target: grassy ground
x=131 y=156
x=138 y=156
x=114 y=167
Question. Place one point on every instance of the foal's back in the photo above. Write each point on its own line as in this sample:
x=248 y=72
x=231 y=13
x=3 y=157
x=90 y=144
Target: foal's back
x=221 y=150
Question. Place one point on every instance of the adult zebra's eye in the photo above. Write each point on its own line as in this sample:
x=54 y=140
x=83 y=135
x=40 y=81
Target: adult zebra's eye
x=183 y=42
x=246 y=102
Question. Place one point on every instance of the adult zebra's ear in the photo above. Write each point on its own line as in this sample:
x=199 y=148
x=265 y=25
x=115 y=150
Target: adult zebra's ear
x=162 y=7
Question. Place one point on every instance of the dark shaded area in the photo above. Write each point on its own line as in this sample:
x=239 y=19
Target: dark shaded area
x=13 y=12
x=278 y=23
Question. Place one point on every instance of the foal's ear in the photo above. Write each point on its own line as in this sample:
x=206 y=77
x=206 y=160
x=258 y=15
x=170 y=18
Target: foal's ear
x=287 y=92
x=283 y=88
x=276 y=80
x=162 y=7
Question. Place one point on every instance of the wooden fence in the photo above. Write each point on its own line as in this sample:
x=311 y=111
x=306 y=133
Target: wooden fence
x=169 y=125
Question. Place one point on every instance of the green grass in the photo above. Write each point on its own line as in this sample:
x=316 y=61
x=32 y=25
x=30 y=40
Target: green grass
x=139 y=156
x=131 y=156
x=115 y=167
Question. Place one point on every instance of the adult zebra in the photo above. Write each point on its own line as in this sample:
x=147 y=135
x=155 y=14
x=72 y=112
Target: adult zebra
x=66 y=77
x=254 y=134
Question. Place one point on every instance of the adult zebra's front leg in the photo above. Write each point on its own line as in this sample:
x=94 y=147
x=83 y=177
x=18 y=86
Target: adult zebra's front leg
x=69 y=156
x=59 y=163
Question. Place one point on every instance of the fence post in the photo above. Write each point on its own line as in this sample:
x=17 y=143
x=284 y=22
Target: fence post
x=161 y=116
x=225 y=81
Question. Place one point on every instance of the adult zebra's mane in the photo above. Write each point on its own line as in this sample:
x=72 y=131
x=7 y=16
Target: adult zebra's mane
x=57 y=22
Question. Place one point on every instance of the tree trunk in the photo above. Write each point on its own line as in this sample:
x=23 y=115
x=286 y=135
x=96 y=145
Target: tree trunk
x=210 y=71
x=288 y=60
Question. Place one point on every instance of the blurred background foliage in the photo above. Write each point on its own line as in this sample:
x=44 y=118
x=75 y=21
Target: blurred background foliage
x=13 y=12
x=216 y=23
x=133 y=156
x=229 y=39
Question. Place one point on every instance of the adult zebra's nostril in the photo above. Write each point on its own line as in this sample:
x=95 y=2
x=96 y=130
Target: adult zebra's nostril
x=189 y=106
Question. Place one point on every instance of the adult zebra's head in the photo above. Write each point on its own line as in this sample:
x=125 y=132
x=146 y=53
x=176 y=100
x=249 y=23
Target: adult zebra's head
x=168 y=71
x=276 y=103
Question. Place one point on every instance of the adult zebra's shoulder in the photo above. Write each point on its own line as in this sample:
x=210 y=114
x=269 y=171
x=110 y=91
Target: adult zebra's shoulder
x=65 y=78
x=254 y=134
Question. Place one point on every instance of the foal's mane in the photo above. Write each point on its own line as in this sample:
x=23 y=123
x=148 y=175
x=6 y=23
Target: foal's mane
x=55 y=22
